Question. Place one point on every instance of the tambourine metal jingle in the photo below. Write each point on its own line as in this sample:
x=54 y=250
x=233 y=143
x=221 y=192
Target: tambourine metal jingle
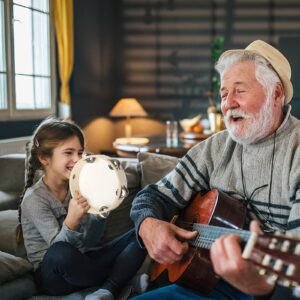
x=101 y=180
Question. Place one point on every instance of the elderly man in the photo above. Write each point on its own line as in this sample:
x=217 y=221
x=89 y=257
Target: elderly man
x=255 y=160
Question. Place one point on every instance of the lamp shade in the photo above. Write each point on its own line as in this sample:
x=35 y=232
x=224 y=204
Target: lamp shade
x=128 y=107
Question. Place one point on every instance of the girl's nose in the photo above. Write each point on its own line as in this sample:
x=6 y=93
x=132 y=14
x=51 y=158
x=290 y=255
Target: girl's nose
x=76 y=157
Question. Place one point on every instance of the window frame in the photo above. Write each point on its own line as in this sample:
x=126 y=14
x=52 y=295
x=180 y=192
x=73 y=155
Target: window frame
x=12 y=113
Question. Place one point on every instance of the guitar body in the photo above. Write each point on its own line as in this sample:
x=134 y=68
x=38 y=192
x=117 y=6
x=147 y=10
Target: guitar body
x=195 y=269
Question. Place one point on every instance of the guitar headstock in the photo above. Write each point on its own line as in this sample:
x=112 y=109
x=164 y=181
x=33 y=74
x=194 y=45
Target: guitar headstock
x=276 y=256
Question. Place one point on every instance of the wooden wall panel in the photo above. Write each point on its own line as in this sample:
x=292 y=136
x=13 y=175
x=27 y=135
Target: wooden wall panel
x=167 y=46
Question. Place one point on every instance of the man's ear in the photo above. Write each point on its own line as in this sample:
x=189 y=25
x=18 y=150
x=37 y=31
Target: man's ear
x=278 y=94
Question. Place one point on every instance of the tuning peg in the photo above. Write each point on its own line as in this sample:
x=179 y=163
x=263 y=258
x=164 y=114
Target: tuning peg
x=278 y=265
x=286 y=282
x=297 y=249
x=285 y=246
x=266 y=260
x=262 y=271
x=272 y=279
x=273 y=243
x=290 y=270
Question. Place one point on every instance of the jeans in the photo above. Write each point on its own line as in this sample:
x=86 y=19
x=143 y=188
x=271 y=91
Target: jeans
x=222 y=291
x=65 y=269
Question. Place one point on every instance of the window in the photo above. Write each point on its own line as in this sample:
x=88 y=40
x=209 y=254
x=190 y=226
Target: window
x=26 y=60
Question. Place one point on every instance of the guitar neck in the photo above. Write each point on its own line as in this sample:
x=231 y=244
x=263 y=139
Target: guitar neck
x=209 y=233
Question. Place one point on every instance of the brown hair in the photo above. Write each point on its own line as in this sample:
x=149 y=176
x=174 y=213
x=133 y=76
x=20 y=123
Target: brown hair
x=48 y=135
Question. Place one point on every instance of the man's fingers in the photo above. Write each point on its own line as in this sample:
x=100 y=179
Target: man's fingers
x=171 y=254
x=170 y=257
x=179 y=244
x=184 y=235
x=255 y=226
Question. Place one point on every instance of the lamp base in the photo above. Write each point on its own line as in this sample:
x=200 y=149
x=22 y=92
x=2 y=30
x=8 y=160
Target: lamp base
x=128 y=129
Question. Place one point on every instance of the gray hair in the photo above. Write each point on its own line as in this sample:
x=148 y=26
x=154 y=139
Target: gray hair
x=264 y=72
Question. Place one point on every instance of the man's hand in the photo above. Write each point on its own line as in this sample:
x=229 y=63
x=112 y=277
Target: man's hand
x=226 y=256
x=165 y=242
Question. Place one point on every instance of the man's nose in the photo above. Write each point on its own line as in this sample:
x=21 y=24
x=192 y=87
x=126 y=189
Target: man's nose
x=230 y=102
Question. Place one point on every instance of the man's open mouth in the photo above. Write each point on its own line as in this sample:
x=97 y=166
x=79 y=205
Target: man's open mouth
x=236 y=119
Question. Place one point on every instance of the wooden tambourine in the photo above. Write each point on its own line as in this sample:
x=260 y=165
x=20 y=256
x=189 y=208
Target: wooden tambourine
x=101 y=180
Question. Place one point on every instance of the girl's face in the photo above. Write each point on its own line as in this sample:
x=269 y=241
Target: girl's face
x=64 y=157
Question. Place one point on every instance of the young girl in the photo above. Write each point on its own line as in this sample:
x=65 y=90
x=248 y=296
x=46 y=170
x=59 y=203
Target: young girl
x=59 y=235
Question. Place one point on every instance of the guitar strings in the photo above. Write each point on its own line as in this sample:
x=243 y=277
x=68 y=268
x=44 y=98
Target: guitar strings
x=211 y=232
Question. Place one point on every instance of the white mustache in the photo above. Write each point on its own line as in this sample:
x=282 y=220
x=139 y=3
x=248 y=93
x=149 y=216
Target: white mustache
x=236 y=113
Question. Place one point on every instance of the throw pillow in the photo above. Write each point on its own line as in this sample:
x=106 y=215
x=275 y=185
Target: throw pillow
x=12 y=267
x=155 y=166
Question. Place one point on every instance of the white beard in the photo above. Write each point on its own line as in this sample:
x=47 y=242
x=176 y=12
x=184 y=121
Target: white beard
x=259 y=126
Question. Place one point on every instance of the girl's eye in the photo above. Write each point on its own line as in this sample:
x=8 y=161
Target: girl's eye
x=68 y=153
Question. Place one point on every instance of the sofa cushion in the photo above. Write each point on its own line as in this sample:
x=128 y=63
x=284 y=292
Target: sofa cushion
x=131 y=170
x=20 y=288
x=8 y=225
x=12 y=267
x=9 y=200
x=13 y=167
x=155 y=166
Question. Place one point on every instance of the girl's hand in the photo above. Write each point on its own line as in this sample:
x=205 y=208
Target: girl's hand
x=78 y=207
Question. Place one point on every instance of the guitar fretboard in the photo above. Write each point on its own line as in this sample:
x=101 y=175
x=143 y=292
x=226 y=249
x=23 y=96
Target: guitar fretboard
x=209 y=233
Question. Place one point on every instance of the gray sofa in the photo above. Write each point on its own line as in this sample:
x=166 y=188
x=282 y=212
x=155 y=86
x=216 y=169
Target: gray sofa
x=16 y=281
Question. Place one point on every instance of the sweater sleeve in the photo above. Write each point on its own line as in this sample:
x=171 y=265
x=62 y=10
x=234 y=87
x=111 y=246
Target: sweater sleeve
x=45 y=219
x=293 y=222
x=173 y=192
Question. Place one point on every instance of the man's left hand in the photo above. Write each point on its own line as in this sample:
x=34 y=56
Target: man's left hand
x=226 y=256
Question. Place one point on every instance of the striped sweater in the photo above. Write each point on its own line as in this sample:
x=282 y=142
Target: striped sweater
x=270 y=168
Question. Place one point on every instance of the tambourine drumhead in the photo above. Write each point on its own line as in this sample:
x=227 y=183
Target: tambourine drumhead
x=101 y=181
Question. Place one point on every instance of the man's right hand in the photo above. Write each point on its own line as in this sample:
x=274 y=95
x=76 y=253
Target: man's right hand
x=165 y=242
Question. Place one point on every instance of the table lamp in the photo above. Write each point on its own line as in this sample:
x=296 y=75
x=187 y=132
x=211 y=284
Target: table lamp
x=128 y=107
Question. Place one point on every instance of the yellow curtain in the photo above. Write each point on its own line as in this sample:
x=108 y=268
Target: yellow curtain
x=63 y=20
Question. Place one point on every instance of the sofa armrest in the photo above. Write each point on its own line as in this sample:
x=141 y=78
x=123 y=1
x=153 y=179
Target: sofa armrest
x=12 y=168
x=8 y=225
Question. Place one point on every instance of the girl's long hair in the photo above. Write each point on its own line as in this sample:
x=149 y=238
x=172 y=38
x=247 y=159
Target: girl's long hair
x=48 y=135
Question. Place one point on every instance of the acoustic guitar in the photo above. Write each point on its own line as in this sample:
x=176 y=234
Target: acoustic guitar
x=214 y=215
